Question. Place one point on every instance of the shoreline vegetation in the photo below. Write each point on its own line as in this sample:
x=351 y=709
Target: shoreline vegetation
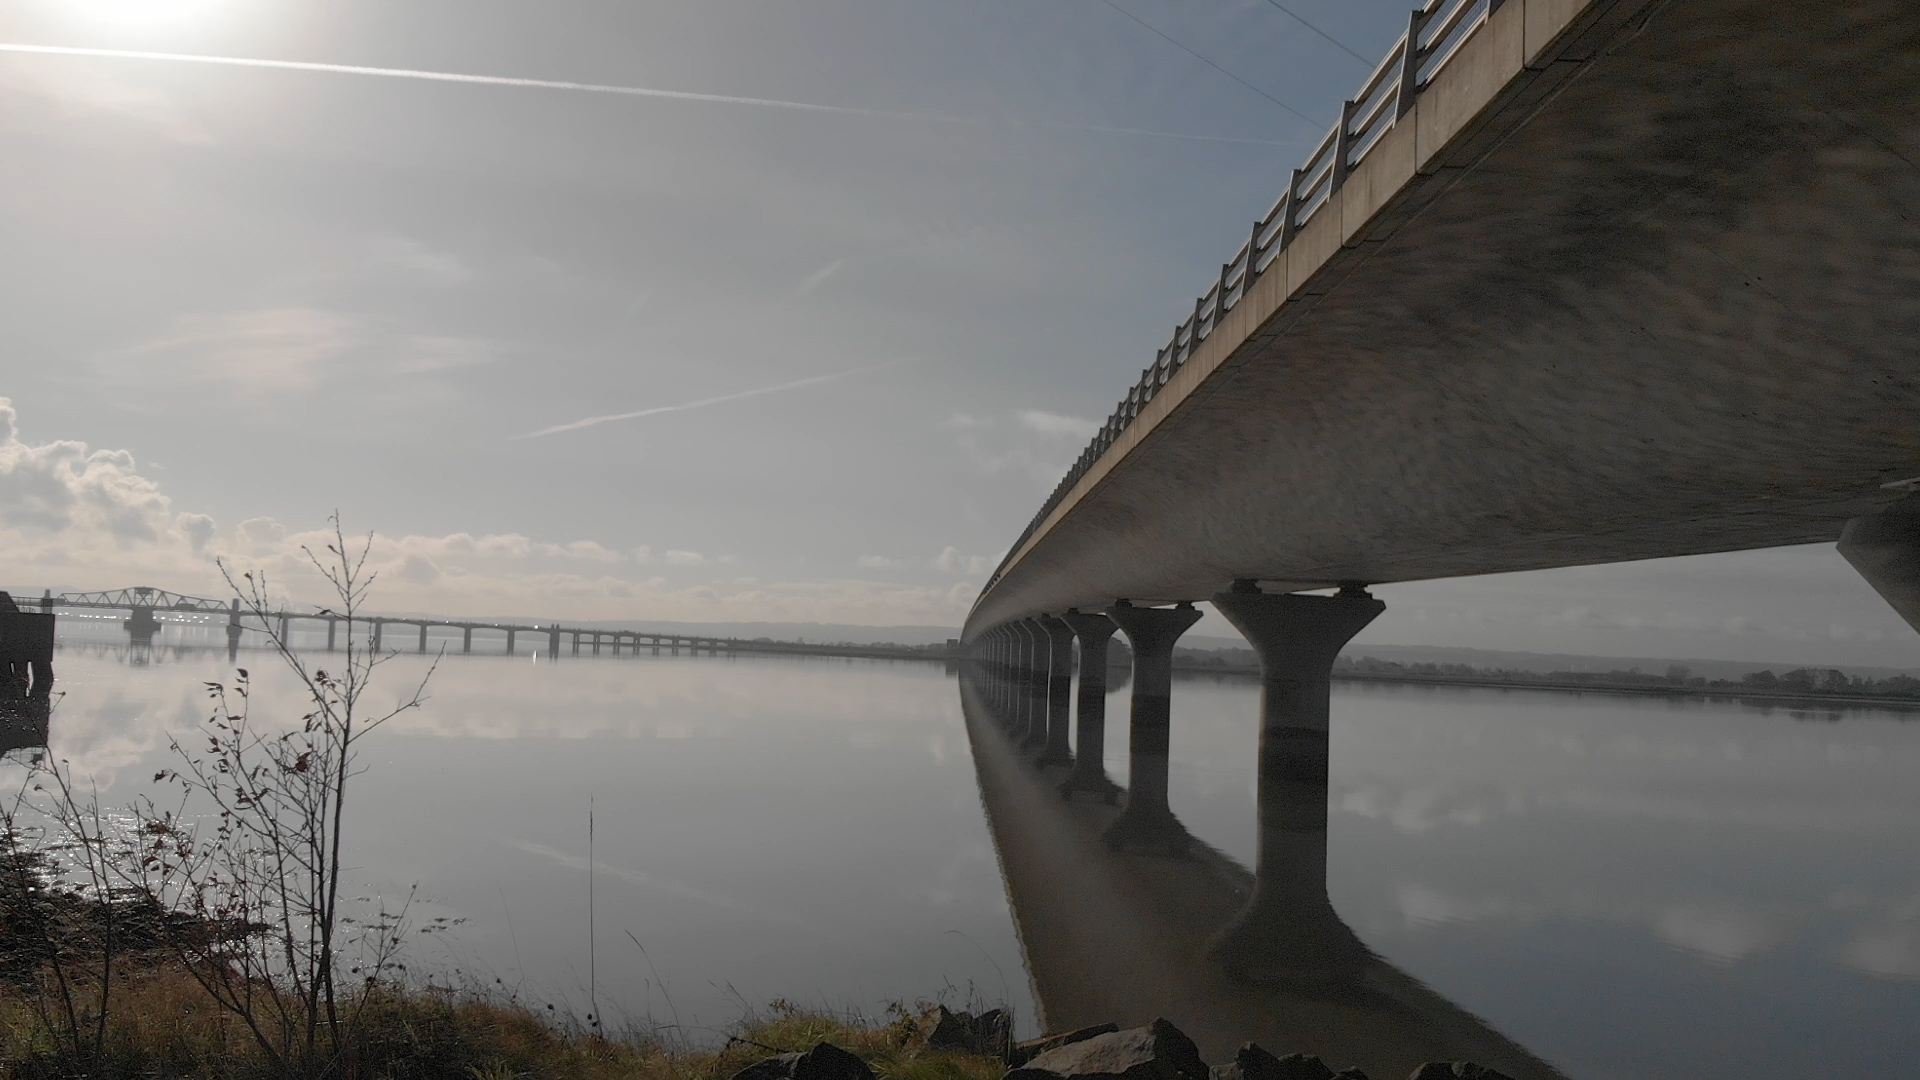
x=1798 y=687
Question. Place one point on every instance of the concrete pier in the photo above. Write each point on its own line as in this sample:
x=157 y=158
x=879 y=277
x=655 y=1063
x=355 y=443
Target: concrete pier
x=1297 y=638
x=1146 y=820
x=1039 y=662
x=1058 y=747
x=1094 y=631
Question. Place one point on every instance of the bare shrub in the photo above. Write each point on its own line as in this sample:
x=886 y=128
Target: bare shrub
x=252 y=851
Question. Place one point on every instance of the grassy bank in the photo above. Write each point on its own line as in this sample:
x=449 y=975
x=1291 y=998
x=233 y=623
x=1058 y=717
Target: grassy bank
x=163 y=1024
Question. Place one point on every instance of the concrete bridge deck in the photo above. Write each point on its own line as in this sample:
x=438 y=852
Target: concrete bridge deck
x=1628 y=279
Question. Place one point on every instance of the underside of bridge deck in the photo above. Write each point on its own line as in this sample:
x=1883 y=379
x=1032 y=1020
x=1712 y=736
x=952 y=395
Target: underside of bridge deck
x=1659 y=296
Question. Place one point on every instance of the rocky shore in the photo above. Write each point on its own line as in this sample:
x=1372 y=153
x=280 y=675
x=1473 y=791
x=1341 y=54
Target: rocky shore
x=1158 y=1051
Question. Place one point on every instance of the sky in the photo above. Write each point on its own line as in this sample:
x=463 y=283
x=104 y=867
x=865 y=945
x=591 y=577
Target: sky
x=800 y=324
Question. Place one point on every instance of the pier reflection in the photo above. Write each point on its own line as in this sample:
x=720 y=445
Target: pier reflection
x=1127 y=935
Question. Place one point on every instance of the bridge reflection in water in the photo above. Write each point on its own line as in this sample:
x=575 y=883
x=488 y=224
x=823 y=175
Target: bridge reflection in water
x=1112 y=932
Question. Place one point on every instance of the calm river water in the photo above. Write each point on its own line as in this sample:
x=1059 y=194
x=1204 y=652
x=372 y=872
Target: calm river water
x=1627 y=888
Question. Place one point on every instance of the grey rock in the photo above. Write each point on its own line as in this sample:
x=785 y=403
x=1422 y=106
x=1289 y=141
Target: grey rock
x=1456 y=1070
x=987 y=1034
x=1033 y=1048
x=1158 y=1051
x=1255 y=1063
x=824 y=1062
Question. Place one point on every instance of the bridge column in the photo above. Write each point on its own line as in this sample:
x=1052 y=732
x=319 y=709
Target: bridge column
x=333 y=624
x=1013 y=675
x=284 y=627
x=1030 y=718
x=1885 y=549
x=553 y=642
x=378 y=625
x=510 y=632
x=423 y=637
x=1090 y=745
x=466 y=639
x=576 y=643
x=596 y=643
x=1146 y=820
x=1059 y=646
x=1297 y=638
x=233 y=628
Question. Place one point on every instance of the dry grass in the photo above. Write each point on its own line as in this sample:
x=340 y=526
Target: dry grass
x=163 y=1025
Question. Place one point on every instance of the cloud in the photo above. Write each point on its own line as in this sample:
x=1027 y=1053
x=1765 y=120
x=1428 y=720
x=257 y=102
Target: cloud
x=816 y=279
x=88 y=518
x=62 y=490
x=951 y=561
x=270 y=353
x=1721 y=932
x=1056 y=425
x=811 y=380
x=1038 y=443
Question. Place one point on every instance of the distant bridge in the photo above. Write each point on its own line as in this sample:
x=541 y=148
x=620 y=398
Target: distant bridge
x=145 y=604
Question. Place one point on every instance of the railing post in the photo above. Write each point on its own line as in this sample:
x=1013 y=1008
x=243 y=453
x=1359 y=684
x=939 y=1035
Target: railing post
x=1253 y=259
x=1410 y=64
x=1290 y=221
x=1342 y=146
x=1220 y=295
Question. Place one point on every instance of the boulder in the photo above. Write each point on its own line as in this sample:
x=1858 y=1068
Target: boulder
x=1456 y=1070
x=1026 y=1051
x=987 y=1034
x=824 y=1062
x=1255 y=1063
x=1158 y=1051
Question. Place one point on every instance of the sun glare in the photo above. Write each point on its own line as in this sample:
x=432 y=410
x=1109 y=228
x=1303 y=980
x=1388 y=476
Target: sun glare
x=138 y=13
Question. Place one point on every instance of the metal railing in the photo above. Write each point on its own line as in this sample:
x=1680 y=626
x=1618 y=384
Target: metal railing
x=1435 y=32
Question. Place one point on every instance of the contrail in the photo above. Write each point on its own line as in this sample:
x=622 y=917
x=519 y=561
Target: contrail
x=602 y=88
x=811 y=380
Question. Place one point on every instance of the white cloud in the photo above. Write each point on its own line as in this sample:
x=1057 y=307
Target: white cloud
x=87 y=518
x=1056 y=425
x=951 y=561
x=268 y=353
x=879 y=562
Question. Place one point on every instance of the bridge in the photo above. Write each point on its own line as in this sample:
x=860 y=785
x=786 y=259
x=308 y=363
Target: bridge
x=146 y=605
x=1568 y=282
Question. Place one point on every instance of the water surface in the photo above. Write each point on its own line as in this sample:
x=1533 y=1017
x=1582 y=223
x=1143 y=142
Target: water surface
x=1624 y=887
